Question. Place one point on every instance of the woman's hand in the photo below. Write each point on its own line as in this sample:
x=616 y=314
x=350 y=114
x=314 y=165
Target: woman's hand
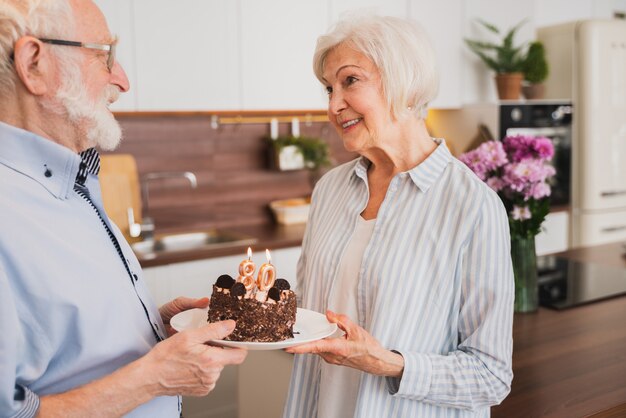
x=356 y=349
x=176 y=306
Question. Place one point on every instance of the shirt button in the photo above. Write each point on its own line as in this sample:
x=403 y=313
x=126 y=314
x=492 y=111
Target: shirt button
x=48 y=172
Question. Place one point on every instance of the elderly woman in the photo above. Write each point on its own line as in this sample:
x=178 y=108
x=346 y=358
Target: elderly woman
x=406 y=249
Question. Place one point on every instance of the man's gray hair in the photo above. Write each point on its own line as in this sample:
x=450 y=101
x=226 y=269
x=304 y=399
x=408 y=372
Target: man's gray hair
x=40 y=18
x=398 y=48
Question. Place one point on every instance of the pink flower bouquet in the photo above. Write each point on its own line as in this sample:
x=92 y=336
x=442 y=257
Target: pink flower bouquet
x=517 y=168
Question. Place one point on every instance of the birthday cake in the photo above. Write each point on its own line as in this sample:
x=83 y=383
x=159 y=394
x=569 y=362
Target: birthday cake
x=263 y=308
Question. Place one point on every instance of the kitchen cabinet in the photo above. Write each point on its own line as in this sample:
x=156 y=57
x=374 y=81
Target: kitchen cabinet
x=187 y=54
x=277 y=44
x=250 y=55
x=271 y=371
x=442 y=23
x=554 y=235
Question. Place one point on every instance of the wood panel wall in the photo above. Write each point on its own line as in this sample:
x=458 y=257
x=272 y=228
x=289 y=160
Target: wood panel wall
x=231 y=163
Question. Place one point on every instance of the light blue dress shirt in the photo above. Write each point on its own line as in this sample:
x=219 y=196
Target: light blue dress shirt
x=69 y=312
x=436 y=285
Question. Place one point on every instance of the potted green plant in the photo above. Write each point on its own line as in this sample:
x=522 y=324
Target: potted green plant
x=536 y=70
x=293 y=153
x=505 y=59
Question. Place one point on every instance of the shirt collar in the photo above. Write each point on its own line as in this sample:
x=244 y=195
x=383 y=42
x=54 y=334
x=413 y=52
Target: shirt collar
x=89 y=164
x=53 y=166
x=425 y=174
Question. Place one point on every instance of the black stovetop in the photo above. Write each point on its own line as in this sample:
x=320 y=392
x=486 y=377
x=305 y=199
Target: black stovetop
x=566 y=283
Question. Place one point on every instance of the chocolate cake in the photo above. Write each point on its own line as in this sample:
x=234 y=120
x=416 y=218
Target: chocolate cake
x=266 y=315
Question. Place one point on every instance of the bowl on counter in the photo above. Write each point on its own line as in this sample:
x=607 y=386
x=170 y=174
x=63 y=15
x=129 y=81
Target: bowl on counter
x=291 y=211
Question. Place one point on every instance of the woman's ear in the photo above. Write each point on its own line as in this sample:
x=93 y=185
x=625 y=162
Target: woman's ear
x=32 y=65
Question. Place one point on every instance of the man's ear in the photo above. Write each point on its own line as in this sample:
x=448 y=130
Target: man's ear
x=33 y=65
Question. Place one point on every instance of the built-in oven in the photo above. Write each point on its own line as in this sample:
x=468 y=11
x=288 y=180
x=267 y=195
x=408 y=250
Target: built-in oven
x=538 y=118
x=554 y=121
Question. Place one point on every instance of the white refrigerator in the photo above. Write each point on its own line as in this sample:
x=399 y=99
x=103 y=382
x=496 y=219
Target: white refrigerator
x=588 y=66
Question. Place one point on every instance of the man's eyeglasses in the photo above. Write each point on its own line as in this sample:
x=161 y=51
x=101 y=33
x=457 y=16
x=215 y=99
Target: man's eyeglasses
x=108 y=48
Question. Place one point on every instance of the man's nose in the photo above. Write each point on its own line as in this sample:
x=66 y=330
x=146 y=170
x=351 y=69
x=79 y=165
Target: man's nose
x=119 y=78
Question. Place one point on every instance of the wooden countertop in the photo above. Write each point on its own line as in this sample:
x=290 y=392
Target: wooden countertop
x=571 y=363
x=268 y=236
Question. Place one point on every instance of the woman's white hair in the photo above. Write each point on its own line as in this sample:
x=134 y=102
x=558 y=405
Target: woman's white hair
x=18 y=18
x=398 y=48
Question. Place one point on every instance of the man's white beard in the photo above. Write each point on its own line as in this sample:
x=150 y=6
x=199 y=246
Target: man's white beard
x=92 y=118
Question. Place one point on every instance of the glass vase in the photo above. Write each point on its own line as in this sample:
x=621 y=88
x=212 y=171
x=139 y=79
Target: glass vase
x=524 y=260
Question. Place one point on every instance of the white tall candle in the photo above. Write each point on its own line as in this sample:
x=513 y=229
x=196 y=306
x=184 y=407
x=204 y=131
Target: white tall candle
x=274 y=128
x=295 y=127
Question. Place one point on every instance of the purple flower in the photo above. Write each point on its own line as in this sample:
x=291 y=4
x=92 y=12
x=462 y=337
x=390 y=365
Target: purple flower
x=517 y=169
x=493 y=155
x=522 y=147
x=544 y=148
x=539 y=191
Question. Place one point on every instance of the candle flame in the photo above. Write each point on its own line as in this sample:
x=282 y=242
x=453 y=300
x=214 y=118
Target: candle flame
x=249 y=253
x=268 y=256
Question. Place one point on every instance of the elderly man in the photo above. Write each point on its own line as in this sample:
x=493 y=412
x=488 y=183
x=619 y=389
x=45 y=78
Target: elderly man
x=79 y=333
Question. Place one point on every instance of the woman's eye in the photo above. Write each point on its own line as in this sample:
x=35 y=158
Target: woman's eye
x=329 y=90
x=351 y=80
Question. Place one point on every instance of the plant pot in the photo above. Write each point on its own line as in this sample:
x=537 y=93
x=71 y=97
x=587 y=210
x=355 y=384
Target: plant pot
x=524 y=260
x=509 y=85
x=533 y=91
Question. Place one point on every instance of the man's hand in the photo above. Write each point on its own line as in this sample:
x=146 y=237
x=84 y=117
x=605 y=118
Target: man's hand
x=185 y=364
x=176 y=306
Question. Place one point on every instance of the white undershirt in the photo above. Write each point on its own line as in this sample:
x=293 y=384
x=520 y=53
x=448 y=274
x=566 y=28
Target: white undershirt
x=339 y=385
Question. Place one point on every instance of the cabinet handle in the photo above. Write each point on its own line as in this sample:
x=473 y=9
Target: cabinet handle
x=612 y=193
x=614 y=228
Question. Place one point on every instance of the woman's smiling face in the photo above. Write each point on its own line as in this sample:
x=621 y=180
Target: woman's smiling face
x=357 y=106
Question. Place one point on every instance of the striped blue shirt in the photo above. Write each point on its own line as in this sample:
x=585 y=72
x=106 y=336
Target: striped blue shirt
x=436 y=285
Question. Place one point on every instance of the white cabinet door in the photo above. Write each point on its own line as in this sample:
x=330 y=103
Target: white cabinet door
x=119 y=16
x=554 y=236
x=277 y=44
x=187 y=54
x=442 y=22
x=158 y=281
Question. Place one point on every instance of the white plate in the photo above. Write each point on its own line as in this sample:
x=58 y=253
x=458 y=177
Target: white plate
x=309 y=326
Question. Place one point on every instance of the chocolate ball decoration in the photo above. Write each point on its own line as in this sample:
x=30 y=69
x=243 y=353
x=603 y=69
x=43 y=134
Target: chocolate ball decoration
x=225 y=281
x=282 y=284
x=237 y=290
x=274 y=293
